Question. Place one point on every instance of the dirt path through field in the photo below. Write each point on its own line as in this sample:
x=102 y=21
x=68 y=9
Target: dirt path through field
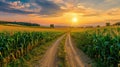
x=49 y=59
x=75 y=58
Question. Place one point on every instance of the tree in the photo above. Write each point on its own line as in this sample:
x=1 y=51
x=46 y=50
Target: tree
x=117 y=24
x=108 y=24
x=19 y=23
x=51 y=25
x=98 y=25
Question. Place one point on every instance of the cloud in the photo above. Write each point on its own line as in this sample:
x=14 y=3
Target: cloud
x=28 y=7
x=100 y=4
x=42 y=8
x=19 y=5
x=113 y=12
x=6 y=7
x=24 y=1
x=82 y=10
x=48 y=7
x=53 y=8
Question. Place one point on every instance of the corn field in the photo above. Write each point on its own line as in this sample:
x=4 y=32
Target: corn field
x=102 y=45
x=17 y=44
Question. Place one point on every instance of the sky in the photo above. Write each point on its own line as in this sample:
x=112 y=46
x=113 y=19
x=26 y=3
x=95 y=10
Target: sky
x=61 y=12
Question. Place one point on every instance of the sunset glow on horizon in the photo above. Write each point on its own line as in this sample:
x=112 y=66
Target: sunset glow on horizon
x=74 y=20
x=61 y=12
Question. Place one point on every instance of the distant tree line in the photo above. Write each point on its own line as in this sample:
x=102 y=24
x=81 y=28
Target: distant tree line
x=52 y=26
x=20 y=23
x=117 y=24
x=107 y=24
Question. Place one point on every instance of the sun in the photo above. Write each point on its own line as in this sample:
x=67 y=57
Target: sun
x=74 y=19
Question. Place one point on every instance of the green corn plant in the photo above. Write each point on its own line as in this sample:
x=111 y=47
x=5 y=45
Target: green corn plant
x=18 y=44
x=103 y=45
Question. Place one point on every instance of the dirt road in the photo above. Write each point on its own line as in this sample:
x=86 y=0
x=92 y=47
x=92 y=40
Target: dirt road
x=74 y=58
x=50 y=56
